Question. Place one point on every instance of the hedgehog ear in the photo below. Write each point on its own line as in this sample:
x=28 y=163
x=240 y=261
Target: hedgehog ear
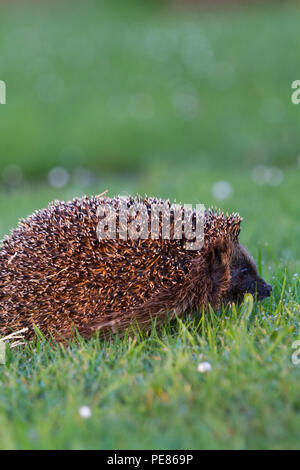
x=220 y=253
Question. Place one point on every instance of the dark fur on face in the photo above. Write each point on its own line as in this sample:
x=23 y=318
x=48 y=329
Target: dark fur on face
x=244 y=277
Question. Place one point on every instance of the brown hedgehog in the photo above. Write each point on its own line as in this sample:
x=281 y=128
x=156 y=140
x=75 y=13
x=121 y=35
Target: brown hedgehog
x=57 y=273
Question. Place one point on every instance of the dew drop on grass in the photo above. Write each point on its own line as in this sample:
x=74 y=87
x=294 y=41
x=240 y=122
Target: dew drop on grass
x=222 y=190
x=85 y=412
x=204 y=367
x=58 y=177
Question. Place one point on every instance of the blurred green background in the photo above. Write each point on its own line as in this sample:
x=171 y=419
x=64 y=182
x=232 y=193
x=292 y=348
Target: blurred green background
x=184 y=101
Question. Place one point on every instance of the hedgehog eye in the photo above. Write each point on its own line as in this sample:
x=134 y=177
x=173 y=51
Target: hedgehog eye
x=244 y=271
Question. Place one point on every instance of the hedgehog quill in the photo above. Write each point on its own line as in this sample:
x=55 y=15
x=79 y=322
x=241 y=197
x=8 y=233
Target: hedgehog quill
x=58 y=274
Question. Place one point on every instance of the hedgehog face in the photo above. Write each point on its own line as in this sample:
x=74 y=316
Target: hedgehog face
x=244 y=277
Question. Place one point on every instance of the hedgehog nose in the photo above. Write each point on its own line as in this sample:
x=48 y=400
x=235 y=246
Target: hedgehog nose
x=269 y=289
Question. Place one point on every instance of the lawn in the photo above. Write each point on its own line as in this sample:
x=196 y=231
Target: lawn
x=167 y=102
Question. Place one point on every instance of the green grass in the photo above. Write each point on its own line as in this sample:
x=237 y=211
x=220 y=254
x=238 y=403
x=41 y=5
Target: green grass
x=148 y=393
x=165 y=102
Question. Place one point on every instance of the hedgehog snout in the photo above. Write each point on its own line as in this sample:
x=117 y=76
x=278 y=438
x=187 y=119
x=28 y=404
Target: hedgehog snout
x=255 y=286
x=263 y=289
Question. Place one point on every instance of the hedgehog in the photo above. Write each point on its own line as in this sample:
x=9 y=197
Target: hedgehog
x=59 y=275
